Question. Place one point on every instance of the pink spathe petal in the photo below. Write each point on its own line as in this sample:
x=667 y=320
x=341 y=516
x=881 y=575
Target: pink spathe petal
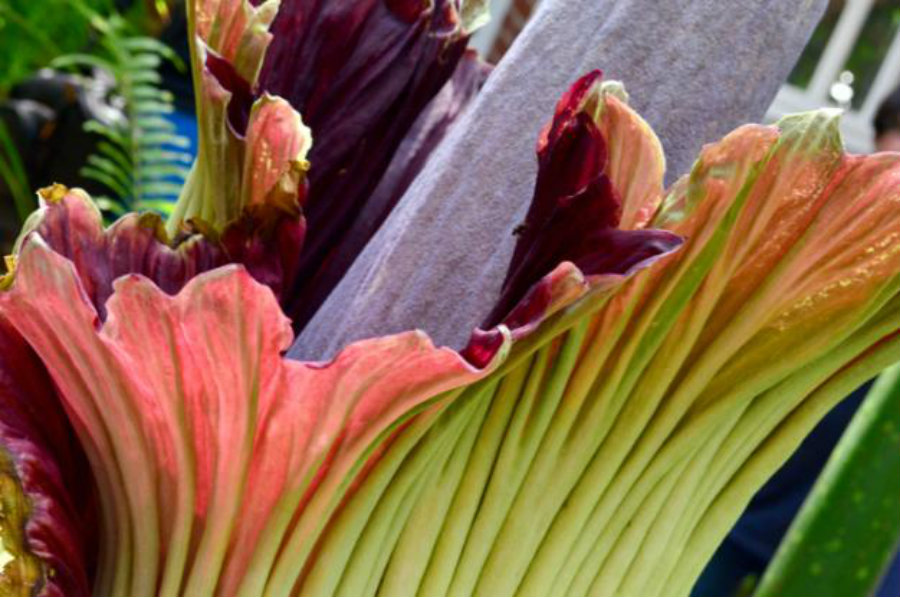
x=262 y=239
x=191 y=395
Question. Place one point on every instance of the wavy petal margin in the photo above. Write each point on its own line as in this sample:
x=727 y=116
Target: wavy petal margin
x=191 y=393
x=70 y=223
x=619 y=424
x=630 y=430
x=186 y=376
x=789 y=273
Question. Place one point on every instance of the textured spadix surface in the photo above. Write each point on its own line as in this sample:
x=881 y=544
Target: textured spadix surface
x=696 y=69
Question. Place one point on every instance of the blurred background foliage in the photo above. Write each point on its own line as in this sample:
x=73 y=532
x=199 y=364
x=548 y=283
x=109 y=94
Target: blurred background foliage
x=95 y=94
x=34 y=32
x=868 y=53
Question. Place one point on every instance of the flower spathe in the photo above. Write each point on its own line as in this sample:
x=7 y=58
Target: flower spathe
x=630 y=391
x=362 y=74
x=207 y=447
x=155 y=316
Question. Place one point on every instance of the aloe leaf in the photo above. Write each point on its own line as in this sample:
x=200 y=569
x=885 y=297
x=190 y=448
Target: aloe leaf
x=849 y=527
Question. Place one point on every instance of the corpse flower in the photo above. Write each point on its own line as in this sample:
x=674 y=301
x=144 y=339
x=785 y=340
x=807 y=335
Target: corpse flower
x=364 y=75
x=652 y=358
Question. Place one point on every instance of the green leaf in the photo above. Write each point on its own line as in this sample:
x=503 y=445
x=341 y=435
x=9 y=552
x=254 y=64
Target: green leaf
x=140 y=62
x=146 y=77
x=111 y=168
x=151 y=139
x=116 y=154
x=12 y=171
x=147 y=123
x=104 y=178
x=70 y=61
x=849 y=527
x=162 y=155
x=150 y=107
x=112 y=133
x=160 y=188
x=165 y=171
x=163 y=206
x=146 y=92
x=110 y=205
x=149 y=44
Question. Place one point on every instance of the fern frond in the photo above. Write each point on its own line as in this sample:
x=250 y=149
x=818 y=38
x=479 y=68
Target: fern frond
x=162 y=189
x=154 y=107
x=75 y=61
x=145 y=77
x=142 y=160
x=145 y=62
x=146 y=93
x=160 y=155
x=111 y=168
x=114 y=153
x=164 y=139
x=152 y=122
x=110 y=206
x=166 y=171
x=153 y=46
x=104 y=178
x=114 y=135
x=160 y=205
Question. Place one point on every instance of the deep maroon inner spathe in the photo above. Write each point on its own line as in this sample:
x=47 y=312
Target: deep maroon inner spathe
x=574 y=214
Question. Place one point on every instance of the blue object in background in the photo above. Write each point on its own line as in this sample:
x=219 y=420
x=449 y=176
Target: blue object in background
x=753 y=541
x=185 y=126
x=179 y=82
